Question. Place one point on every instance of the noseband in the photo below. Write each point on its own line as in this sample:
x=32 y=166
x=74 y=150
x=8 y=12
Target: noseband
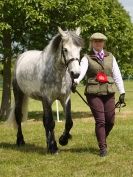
x=70 y=60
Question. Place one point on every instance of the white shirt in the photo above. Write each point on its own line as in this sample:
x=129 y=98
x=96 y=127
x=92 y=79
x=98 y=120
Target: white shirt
x=115 y=70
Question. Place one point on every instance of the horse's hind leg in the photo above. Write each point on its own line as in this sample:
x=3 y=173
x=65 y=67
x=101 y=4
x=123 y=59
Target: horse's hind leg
x=19 y=96
x=49 y=125
x=63 y=140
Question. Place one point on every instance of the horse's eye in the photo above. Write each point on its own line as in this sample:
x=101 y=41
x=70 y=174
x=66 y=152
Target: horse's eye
x=65 y=50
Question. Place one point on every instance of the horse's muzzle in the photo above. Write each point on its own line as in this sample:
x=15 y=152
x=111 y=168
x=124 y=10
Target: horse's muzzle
x=74 y=75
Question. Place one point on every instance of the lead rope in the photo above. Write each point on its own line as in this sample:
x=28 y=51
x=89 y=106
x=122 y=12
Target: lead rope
x=117 y=105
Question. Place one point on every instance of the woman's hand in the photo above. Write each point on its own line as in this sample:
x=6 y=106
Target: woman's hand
x=122 y=98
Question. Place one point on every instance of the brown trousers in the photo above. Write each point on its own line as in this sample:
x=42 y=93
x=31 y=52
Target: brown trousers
x=103 y=110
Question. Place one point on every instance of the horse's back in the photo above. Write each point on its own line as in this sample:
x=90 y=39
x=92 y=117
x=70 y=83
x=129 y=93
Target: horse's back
x=31 y=56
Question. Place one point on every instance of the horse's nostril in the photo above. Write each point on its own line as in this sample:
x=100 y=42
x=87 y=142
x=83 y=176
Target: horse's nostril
x=74 y=75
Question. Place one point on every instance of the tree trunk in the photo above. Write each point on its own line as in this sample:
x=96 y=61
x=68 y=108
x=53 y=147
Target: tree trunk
x=6 y=93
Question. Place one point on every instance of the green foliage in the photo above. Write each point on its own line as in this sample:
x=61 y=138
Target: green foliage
x=33 y=22
x=128 y=70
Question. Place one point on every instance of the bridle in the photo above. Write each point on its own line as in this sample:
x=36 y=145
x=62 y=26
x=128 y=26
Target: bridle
x=70 y=60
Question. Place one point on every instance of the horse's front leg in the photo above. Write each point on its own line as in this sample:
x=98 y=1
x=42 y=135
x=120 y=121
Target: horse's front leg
x=49 y=125
x=63 y=140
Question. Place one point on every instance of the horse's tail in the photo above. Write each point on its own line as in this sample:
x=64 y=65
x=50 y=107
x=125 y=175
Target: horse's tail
x=11 y=118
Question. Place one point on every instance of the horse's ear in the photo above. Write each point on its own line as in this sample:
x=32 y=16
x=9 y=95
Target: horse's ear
x=78 y=31
x=63 y=34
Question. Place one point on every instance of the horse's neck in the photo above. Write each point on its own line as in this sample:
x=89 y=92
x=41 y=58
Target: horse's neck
x=53 y=64
x=55 y=58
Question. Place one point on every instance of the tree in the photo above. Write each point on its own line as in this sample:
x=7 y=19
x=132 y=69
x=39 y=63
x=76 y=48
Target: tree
x=18 y=19
x=30 y=24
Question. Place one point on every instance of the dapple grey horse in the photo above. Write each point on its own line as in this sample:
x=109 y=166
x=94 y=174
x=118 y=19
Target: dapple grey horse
x=46 y=76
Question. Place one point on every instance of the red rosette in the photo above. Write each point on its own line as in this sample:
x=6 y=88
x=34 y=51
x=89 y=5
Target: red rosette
x=101 y=77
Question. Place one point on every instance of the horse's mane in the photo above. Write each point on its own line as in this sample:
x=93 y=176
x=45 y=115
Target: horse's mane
x=77 y=40
x=56 y=42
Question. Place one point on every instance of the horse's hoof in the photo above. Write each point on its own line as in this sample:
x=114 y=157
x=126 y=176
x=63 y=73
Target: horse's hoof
x=63 y=140
x=53 y=152
x=52 y=148
x=69 y=136
x=20 y=142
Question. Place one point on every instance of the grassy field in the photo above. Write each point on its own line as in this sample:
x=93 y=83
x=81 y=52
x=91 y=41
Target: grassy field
x=80 y=157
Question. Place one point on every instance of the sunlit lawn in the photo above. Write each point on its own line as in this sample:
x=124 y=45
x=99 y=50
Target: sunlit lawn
x=80 y=157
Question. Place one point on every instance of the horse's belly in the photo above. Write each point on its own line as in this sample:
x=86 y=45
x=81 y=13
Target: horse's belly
x=29 y=87
x=33 y=88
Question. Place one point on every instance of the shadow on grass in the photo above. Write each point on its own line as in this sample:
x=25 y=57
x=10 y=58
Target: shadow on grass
x=32 y=148
x=27 y=148
x=38 y=115
x=75 y=115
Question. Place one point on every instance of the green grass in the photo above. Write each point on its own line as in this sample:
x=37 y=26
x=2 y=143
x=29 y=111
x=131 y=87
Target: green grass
x=80 y=157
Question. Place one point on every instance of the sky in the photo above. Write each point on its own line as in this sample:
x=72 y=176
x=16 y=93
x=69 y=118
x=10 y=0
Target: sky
x=128 y=5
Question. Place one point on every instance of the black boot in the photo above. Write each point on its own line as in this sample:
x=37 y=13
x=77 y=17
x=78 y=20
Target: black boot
x=103 y=152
